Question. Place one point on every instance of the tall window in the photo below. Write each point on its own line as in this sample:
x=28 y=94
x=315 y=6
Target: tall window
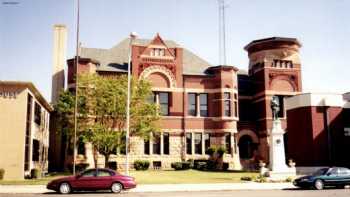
x=192 y=104
x=203 y=99
x=28 y=132
x=206 y=142
x=35 y=151
x=236 y=104
x=164 y=103
x=228 y=142
x=189 y=143
x=146 y=146
x=281 y=102
x=198 y=143
x=227 y=104
x=156 y=143
x=166 y=143
x=37 y=114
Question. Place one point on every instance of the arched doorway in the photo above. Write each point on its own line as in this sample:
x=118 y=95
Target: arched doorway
x=246 y=147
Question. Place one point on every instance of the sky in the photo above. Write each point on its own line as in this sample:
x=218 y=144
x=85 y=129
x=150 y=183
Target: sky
x=322 y=26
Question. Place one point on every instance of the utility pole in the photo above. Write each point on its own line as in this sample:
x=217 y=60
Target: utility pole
x=132 y=37
x=76 y=92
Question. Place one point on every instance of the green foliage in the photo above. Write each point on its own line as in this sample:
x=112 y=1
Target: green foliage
x=141 y=164
x=247 y=178
x=191 y=161
x=202 y=165
x=102 y=111
x=2 y=173
x=184 y=165
x=221 y=150
x=261 y=179
x=211 y=150
x=35 y=173
x=289 y=179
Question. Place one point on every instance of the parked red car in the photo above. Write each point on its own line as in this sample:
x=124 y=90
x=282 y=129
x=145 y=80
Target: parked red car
x=92 y=180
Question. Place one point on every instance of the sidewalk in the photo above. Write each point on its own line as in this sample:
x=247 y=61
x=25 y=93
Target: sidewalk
x=165 y=187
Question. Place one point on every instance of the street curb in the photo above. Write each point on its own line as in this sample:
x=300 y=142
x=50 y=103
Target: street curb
x=39 y=189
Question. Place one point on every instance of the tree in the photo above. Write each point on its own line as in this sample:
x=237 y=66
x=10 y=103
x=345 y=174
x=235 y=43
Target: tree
x=102 y=111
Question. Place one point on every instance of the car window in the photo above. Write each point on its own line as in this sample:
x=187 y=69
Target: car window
x=89 y=173
x=321 y=171
x=103 y=173
x=334 y=172
x=344 y=172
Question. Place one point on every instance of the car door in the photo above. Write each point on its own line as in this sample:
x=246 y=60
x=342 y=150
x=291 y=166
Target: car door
x=85 y=181
x=103 y=179
x=332 y=177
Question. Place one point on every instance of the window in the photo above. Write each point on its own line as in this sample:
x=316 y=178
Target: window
x=203 y=100
x=192 y=104
x=198 y=143
x=347 y=132
x=146 y=146
x=189 y=143
x=236 y=105
x=206 y=142
x=164 y=103
x=37 y=114
x=89 y=173
x=166 y=143
x=227 y=104
x=103 y=173
x=228 y=142
x=36 y=152
x=281 y=106
x=156 y=143
x=81 y=146
x=157 y=52
x=28 y=131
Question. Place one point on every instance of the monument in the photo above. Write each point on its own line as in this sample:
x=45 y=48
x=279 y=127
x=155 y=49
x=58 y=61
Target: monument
x=278 y=167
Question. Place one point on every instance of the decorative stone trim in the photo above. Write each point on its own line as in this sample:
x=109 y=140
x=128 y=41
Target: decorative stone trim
x=161 y=69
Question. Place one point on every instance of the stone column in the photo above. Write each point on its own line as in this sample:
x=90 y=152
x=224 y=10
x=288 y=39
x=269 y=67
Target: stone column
x=197 y=105
x=161 y=143
x=89 y=154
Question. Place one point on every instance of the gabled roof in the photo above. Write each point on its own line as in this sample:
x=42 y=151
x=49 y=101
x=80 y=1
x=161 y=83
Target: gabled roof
x=115 y=59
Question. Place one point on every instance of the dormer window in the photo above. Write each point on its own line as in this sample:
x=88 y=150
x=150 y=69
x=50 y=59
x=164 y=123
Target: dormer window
x=157 y=52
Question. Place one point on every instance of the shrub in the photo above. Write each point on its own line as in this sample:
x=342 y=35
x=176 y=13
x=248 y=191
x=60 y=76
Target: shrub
x=185 y=165
x=246 y=178
x=225 y=166
x=211 y=165
x=191 y=161
x=2 y=173
x=35 y=173
x=261 y=179
x=202 y=165
x=211 y=150
x=141 y=164
x=221 y=150
x=289 y=179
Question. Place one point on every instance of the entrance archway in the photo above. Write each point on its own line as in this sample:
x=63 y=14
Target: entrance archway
x=246 y=147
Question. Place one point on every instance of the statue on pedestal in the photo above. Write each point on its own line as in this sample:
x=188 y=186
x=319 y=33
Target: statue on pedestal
x=275 y=106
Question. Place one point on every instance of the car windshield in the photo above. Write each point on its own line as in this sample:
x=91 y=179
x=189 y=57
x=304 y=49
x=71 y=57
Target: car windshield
x=320 y=172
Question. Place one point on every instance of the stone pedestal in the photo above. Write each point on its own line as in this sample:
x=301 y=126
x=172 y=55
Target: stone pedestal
x=278 y=167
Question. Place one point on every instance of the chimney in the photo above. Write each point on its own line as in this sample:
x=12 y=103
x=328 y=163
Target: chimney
x=59 y=61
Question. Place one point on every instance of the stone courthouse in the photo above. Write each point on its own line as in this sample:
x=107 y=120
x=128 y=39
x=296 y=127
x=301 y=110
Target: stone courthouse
x=201 y=104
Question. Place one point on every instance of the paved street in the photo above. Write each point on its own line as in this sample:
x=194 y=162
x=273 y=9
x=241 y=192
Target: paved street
x=260 y=193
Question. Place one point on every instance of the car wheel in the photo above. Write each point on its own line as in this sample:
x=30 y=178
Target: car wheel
x=318 y=184
x=116 y=187
x=64 y=188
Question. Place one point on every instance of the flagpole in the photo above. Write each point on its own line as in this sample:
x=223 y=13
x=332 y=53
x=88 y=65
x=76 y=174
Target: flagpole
x=76 y=91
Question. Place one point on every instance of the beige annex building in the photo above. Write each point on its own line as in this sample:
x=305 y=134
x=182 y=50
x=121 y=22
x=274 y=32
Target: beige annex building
x=24 y=129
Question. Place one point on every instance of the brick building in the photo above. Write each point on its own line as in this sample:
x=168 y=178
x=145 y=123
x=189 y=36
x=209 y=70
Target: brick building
x=201 y=104
x=319 y=129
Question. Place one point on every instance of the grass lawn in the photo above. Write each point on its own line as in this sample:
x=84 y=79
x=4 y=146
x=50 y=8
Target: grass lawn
x=159 y=177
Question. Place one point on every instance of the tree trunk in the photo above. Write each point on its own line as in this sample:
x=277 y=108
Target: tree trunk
x=95 y=157
x=106 y=160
